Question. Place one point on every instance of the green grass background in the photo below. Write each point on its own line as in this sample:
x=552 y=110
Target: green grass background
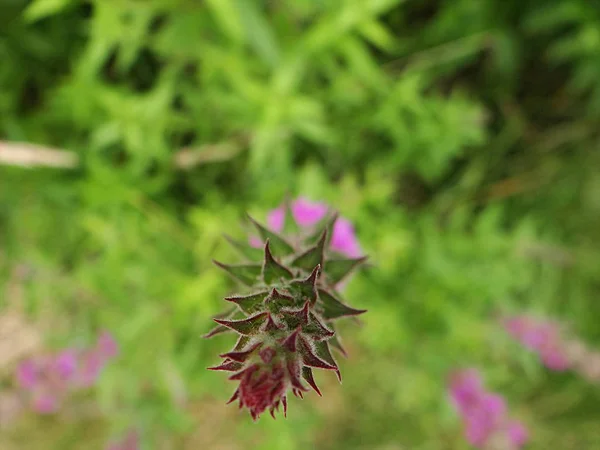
x=461 y=137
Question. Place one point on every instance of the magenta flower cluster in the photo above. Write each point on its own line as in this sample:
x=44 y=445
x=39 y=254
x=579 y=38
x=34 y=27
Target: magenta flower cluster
x=540 y=336
x=47 y=380
x=484 y=414
x=555 y=350
x=307 y=214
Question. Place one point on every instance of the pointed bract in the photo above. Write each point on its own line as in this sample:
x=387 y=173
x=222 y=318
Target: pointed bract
x=271 y=326
x=248 y=326
x=333 y=308
x=290 y=342
x=280 y=245
x=284 y=322
x=335 y=343
x=234 y=397
x=277 y=300
x=311 y=359
x=272 y=271
x=294 y=318
x=313 y=256
x=308 y=376
x=306 y=289
x=247 y=251
x=228 y=366
x=323 y=353
x=317 y=330
x=245 y=273
x=338 y=269
x=249 y=303
x=241 y=356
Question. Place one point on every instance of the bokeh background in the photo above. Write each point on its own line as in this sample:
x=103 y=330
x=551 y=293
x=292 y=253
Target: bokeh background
x=460 y=137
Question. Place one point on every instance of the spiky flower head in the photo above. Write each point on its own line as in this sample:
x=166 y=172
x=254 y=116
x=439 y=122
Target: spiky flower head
x=285 y=318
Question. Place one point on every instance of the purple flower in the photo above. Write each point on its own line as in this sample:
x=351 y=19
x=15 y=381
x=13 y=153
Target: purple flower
x=49 y=379
x=65 y=364
x=45 y=403
x=484 y=414
x=517 y=433
x=541 y=337
x=107 y=346
x=276 y=218
x=466 y=389
x=27 y=374
x=90 y=368
x=343 y=239
x=306 y=214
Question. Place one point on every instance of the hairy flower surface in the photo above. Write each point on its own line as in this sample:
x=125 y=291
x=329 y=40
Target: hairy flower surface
x=484 y=414
x=285 y=317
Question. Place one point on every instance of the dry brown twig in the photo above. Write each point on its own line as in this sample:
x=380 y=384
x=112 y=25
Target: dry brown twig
x=23 y=154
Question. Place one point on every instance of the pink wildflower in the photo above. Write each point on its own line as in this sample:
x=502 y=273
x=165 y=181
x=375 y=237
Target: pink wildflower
x=49 y=379
x=307 y=214
x=484 y=414
x=542 y=337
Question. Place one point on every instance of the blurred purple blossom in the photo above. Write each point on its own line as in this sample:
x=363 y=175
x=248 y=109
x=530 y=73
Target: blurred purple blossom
x=484 y=414
x=306 y=214
x=47 y=379
x=27 y=374
x=542 y=337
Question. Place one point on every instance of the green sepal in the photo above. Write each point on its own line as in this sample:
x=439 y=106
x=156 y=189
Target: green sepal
x=272 y=271
x=280 y=245
x=333 y=308
x=311 y=359
x=276 y=300
x=245 y=250
x=245 y=273
x=249 y=303
x=290 y=227
x=308 y=376
x=306 y=289
x=248 y=327
x=241 y=343
x=229 y=314
x=327 y=225
x=336 y=343
x=316 y=330
x=324 y=354
x=338 y=269
x=313 y=256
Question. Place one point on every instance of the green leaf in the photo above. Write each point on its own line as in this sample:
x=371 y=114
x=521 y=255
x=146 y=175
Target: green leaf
x=272 y=271
x=41 y=9
x=338 y=269
x=313 y=256
x=306 y=289
x=246 y=273
x=333 y=308
x=278 y=243
x=247 y=327
x=326 y=224
x=228 y=16
x=244 y=249
x=249 y=303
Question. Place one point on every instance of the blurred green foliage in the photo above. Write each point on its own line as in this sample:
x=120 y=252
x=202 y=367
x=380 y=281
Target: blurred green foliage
x=461 y=138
